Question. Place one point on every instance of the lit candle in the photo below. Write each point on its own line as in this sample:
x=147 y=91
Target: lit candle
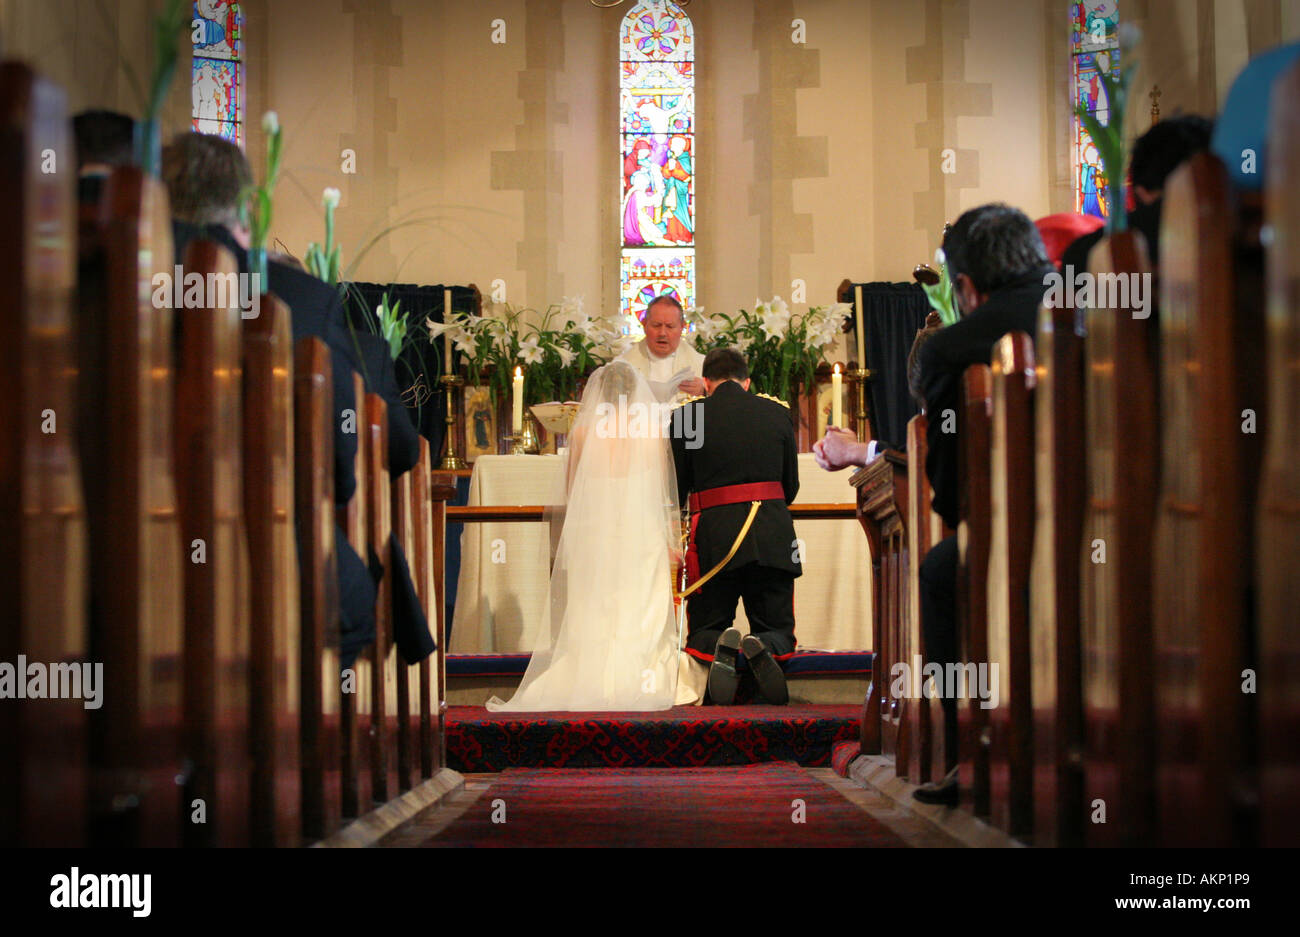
x=517 y=417
x=446 y=339
x=837 y=397
x=857 y=305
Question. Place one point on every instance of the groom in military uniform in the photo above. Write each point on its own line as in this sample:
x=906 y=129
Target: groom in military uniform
x=740 y=472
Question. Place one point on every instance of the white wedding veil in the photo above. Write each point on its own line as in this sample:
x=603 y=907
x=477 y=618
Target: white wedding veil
x=608 y=639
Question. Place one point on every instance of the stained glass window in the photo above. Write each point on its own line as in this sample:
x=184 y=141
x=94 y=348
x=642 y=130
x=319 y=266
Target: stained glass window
x=1094 y=51
x=657 y=103
x=217 y=81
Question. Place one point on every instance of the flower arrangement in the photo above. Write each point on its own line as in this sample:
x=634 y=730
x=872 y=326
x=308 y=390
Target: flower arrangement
x=168 y=26
x=1109 y=137
x=937 y=287
x=559 y=347
x=323 y=259
x=783 y=347
x=392 y=325
x=255 y=208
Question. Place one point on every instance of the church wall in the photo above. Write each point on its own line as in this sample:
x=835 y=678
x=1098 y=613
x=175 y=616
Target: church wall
x=817 y=160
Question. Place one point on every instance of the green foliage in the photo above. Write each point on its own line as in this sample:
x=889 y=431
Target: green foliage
x=256 y=205
x=1109 y=138
x=941 y=297
x=323 y=259
x=392 y=326
x=167 y=29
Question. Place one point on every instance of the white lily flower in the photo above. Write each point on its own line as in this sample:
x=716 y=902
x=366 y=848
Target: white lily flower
x=529 y=351
x=566 y=356
x=330 y=198
x=271 y=123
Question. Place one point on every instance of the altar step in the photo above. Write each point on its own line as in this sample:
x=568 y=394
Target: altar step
x=683 y=737
x=814 y=677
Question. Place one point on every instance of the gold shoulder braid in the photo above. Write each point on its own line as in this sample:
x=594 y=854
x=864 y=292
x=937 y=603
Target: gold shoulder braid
x=683 y=403
x=774 y=399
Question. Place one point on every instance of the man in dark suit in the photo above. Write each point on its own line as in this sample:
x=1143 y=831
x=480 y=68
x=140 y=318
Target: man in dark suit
x=741 y=452
x=205 y=177
x=998 y=267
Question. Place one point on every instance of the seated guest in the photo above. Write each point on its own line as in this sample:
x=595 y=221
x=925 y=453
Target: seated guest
x=1241 y=134
x=206 y=177
x=1061 y=230
x=1156 y=154
x=997 y=264
x=104 y=140
x=661 y=356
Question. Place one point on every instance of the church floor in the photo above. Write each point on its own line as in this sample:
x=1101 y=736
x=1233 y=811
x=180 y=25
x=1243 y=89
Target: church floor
x=771 y=804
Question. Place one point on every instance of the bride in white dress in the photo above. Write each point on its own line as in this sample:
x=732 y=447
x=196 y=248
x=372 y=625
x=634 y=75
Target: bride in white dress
x=609 y=640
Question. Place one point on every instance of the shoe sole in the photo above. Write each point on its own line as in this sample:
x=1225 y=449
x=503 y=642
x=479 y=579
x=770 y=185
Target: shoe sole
x=723 y=678
x=767 y=672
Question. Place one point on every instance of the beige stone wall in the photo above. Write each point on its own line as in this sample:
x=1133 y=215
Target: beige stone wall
x=817 y=161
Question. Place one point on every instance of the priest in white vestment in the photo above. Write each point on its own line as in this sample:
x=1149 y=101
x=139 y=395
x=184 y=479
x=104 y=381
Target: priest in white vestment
x=671 y=366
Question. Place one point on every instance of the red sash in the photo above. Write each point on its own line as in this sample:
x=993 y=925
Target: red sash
x=716 y=497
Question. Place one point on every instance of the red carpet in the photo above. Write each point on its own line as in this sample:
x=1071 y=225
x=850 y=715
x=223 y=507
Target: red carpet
x=687 y=736
x=754 y=805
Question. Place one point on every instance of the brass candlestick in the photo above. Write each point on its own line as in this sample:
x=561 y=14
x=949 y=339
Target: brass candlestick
x=451 y=460
x=860 y=376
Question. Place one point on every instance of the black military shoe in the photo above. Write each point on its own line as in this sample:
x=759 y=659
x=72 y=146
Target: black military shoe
x=767 y=672
x=723 y=678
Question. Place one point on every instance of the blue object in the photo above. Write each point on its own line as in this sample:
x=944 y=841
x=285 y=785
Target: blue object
x=1242 y=127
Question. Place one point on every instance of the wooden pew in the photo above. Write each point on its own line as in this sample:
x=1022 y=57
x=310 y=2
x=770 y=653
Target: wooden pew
x=1122 y=407
x=355 y=709
x=127 y=372
x=275 y=636
x=209 y=471
x=1011 y=517
x=927 y=756
x=974 y=418
x=44 y=772
x=421 y=560
x=379 y=525
x=1054 y=623
x=442 y=488
x=1211 y=329
x=318 y=672
x=408 y=687
x=881 y=507
x=1277 y=535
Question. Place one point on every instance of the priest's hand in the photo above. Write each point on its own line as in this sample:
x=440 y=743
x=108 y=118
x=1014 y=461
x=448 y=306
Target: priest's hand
x=839 y=449
x=692 y=385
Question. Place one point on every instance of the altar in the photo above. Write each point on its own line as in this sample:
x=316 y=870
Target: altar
x=505 y=566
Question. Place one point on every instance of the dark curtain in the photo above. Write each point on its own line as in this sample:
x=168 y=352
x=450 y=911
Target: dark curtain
x=891 y=315
x=420 y=364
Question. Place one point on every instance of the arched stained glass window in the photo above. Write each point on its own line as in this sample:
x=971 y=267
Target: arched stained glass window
x=1094 y=50
x=217 y=83
x=657 y=106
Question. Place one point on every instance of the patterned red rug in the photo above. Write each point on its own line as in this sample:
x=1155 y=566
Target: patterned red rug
x=687 y=736
x=775 y=804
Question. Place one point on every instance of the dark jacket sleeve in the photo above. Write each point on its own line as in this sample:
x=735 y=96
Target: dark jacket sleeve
x=790 y=467
x=681 y=462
